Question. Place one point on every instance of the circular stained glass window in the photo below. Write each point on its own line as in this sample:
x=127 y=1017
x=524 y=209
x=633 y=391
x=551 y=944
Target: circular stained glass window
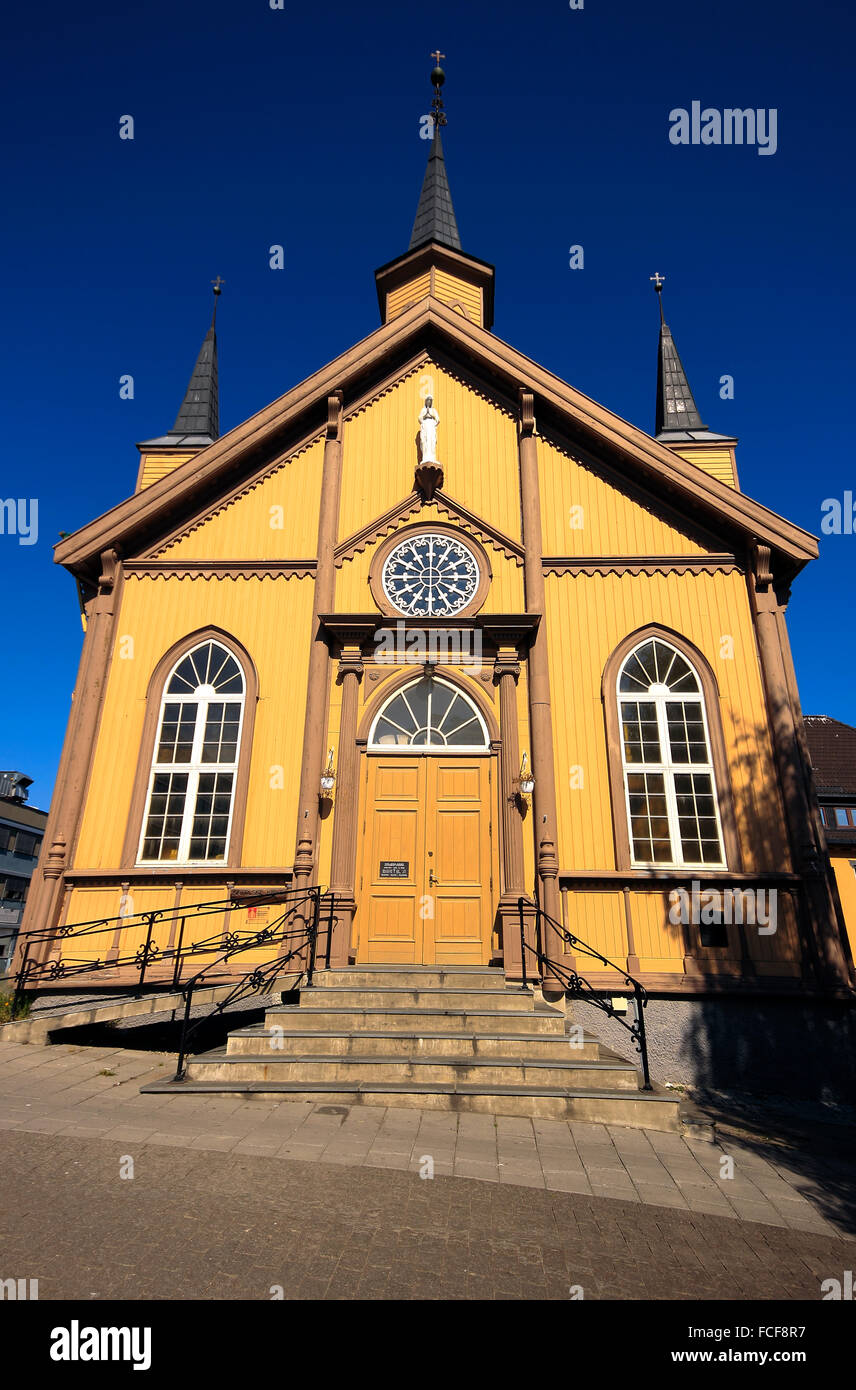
x=430 y=575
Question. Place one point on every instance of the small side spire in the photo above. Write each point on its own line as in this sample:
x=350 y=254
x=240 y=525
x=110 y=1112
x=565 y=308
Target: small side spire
x=200 y=410
x=676 y=407
x=435 y=216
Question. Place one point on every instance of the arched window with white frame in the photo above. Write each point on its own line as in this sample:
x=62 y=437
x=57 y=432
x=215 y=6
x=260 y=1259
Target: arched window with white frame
x=191 y=792
x=669 y=778
x=431 y=715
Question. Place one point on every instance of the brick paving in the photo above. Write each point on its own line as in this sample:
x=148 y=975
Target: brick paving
x=193 y=1223
x=90 y=1092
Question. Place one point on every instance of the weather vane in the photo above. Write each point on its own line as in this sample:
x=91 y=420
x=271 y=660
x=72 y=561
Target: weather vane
x=438 y=77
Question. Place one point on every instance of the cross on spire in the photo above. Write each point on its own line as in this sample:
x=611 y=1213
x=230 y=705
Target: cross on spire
x=658 y=282
x=438 y=77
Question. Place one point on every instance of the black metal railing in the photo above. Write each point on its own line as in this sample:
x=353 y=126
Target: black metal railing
x=46 y=959
x=576 y=985
x=260 y=977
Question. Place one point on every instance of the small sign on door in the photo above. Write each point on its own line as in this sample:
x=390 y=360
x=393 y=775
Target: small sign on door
x=394 y=868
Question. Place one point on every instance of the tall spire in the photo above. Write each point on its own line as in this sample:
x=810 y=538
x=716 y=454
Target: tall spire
x=435 y=215
x=677 y=411
x=199 y=415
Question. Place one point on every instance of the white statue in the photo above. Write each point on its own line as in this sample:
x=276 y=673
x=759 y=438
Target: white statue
x=428 y=422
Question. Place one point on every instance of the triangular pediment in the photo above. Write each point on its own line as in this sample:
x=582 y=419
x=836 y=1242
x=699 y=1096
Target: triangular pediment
x=414 y=506
x=277 y=435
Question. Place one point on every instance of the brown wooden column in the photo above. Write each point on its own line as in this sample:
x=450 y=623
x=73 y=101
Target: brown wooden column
x=540 y=714
x=506 y=673
x=63 y=824
x=344 y=853
x=312 y=761
x=809 y=860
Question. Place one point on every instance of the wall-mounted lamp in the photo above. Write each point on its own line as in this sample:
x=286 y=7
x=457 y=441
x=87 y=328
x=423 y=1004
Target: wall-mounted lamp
x=524 y=782
x=328 y=776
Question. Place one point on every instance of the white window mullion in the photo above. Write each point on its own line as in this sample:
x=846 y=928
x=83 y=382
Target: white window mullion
x=193 y=780
x=189 y=810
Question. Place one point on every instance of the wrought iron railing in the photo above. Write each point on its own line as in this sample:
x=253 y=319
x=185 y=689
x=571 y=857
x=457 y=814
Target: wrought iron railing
x=47 y=960
x=575 y=985
x=260 y=977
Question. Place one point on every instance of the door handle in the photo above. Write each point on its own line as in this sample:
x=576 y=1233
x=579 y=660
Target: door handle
x=432 y=878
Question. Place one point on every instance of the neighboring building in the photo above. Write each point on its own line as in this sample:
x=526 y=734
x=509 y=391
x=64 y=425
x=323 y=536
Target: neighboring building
x=832 y=747
x=21 y=831
x=248 y=610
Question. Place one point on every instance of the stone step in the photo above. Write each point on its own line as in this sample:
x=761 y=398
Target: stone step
x=360 y=1043
x=412 y=977
x=540 y=1020
x=220 y=1065
x=635 y=1109
x=516 y=1001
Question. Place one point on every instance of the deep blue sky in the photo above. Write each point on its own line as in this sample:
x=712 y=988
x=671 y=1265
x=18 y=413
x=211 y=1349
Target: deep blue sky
x=301 y=126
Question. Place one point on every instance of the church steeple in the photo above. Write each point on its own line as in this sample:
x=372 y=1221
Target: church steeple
x=198 y=421
x=435 y=216
x=434 y=264
x=200 y=409
x=676 y=407
x=678 y=423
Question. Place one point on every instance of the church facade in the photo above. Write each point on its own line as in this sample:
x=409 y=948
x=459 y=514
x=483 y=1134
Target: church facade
x=437 y=632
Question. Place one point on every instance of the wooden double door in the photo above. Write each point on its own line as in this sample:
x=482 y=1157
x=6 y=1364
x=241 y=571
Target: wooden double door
x=425 y=892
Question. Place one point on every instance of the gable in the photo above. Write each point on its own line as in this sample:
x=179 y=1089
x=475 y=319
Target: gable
x=477 y=447
x=477 y=444
x=588 y=510
x=273 y=517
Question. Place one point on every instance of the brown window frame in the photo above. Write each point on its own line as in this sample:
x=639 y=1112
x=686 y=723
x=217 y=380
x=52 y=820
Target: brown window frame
x=719 y=757
x=154 y=700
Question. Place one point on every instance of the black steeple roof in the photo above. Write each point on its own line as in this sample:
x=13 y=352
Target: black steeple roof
x=435 y=216
x=200 y=409
x=198 y=420
x=676 y=407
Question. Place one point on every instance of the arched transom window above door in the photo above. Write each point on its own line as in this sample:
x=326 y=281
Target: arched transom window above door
x=190 y=797
x=431 y=574
x=431 y=715
x=669 y=780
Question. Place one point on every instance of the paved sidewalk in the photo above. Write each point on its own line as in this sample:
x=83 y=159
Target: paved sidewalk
x=192 y=1225
x=90 y=1093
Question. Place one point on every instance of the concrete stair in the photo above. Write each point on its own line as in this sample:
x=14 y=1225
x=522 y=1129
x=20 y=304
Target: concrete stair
x=431 y=1038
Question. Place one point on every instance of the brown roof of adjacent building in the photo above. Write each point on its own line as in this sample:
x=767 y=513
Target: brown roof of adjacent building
x=832 y=746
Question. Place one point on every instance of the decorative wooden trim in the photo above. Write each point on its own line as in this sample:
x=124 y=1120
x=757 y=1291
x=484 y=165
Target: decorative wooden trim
x=154 y=696
x=238 y=491
x=382 y=525
x=404 y=676
x=502 y=365
x=149 y=876
x=222 y=569
x=385 y=548
x=480 y=274
x=641 y=564
x=719 y=755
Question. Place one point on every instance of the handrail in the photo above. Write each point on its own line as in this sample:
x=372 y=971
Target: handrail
x=576 y=985
x=31 y=971
x=260 y=975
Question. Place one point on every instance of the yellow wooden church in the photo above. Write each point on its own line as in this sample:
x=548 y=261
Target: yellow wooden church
x=437 y=633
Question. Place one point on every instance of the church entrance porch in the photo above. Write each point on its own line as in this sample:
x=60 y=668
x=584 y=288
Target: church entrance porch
x=426 y=874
